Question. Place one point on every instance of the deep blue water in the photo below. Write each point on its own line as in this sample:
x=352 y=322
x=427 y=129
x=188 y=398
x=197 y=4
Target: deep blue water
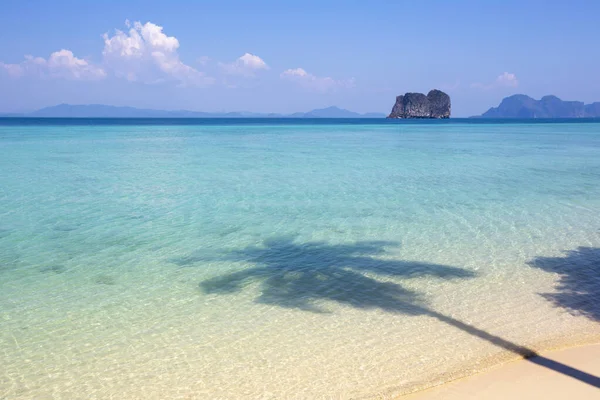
x=19 y=121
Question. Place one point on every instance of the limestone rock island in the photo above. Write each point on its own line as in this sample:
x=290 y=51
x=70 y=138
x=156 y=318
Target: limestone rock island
x=416 y=105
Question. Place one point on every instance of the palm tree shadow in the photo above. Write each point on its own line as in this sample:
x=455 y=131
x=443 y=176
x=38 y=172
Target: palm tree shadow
x=578 y=288
x=304 y=275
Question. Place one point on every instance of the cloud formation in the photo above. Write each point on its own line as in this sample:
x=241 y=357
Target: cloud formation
x=204 y=60
x=450 y=86
x=312 y=82
x=146 y=54
x=507 y=79
x=143 y=54
x=246 y=65
x=60 y=64
x=504 y=80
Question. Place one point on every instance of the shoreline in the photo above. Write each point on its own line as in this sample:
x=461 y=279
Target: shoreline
x=476 y=367
x=554 y=373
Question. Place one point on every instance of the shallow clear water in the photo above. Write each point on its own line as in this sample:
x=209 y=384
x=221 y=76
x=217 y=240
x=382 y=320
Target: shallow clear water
x=290 y=261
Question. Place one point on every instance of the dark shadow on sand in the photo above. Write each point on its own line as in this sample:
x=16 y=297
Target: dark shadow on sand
x=578 y=288
x=300 y=275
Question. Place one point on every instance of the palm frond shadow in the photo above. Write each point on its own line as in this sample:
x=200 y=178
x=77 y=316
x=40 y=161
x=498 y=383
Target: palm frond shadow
x=578 y=289
x=302 y=275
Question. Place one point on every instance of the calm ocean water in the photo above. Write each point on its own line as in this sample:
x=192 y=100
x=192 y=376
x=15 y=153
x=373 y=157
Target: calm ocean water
x=272 y=259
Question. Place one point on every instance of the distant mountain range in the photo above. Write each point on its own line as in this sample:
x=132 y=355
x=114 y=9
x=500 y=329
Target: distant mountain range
x=522 y=106
x=104 y=111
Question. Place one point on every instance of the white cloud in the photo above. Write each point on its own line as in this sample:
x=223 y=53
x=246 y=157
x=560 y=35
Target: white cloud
x=246 y=65
x=60 y=64
x=204 y=60
x=296 y=72
x=146 y=54
x=312 y=82
x=504 y=80
x=14 y=70
x=507 y=79
x=63 y=62
x=450 y=86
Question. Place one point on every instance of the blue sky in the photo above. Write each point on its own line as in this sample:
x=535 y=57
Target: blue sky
x=280 y=56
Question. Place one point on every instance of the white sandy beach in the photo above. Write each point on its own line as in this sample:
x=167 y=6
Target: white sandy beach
x=570 y=373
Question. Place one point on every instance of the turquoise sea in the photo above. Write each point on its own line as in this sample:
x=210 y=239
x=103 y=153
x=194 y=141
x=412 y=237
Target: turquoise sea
x=289 y=259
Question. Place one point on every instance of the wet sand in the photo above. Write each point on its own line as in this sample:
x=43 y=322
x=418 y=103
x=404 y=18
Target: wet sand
x=570 y=373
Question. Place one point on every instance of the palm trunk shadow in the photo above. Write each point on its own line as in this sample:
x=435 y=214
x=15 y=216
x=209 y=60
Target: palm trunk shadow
x=529 y=354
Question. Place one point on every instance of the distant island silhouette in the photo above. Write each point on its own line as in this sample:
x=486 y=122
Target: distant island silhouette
x=106 y=111
x=523 y=106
